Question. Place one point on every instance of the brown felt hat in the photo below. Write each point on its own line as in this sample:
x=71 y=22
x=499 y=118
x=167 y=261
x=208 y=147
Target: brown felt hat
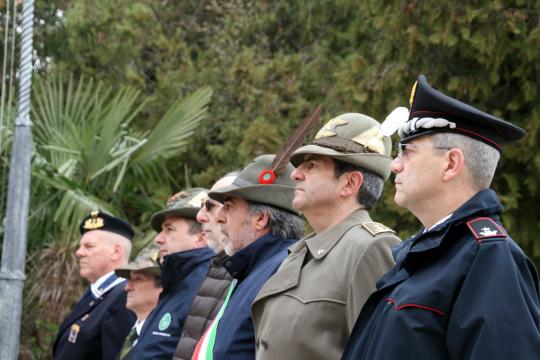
x=352 y=138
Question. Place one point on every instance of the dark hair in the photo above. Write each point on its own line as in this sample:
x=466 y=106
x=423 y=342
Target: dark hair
x=371 y=188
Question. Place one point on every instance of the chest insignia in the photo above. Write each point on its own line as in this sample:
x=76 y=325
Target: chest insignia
x=164 y=322
x=483 y=228
x=73 y=332
x=375 y=228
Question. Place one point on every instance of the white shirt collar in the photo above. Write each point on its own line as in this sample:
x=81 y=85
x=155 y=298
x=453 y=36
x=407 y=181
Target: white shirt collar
x=439 y=222
x=97 y=292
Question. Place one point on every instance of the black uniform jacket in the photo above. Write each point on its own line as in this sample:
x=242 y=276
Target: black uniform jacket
x=461 y=290
x=95 y=329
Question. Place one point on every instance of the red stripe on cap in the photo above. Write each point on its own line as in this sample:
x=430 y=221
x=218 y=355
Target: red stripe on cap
x=481 y=137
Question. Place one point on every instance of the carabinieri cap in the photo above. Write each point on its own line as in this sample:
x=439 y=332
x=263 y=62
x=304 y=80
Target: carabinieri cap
x=431 y=112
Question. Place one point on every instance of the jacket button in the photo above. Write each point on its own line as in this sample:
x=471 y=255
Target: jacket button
x=228 y=264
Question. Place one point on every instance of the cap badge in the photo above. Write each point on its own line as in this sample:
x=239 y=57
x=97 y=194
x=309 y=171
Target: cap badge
x=175 y=198
x=94 y=222
x=267 y=177
x=329 y=129
x=413 y=93
x=371 y=139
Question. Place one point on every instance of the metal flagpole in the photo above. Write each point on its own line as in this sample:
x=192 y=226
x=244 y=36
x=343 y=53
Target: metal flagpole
x=16 y=221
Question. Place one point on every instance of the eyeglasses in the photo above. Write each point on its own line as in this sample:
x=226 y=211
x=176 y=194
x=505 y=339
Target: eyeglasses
x=208 y=204
x=403 y=149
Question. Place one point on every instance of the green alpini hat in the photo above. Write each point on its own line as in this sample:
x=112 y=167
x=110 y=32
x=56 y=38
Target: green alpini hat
x=257 y=184
x=185 y=204
x=352 y=138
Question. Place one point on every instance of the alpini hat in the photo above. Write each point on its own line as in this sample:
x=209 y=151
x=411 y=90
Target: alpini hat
x=146 y=260
x=98 y=220
x=185 y=204
x=352 y=138
x=431 y=112
x=257 y=184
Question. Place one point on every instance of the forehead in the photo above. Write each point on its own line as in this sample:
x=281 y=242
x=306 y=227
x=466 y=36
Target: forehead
x=238 y=202
x=92 y=237
x=141 y=275
x=174 y=219
x=424 y=140
x=327 y=160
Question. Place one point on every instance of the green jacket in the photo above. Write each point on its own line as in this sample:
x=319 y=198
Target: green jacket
x=307 y=310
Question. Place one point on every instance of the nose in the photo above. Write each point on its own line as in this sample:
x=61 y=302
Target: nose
x=129 y=286
x=202 y=215
x=297 y=174
x=160 y=238
x=79 y=253
x=397 y=165
x=220 y=216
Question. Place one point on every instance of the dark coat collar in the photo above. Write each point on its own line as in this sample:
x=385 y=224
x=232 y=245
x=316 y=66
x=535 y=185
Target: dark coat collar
x=177 y=266
x=244 y=261
x=484 y=203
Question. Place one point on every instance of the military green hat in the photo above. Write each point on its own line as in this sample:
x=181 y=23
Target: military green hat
x=352 y=138
x=146 y=260
x=185 y=204
x=252 y=184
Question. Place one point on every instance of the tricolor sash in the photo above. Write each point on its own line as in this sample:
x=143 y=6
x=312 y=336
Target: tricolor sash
x=205 y=347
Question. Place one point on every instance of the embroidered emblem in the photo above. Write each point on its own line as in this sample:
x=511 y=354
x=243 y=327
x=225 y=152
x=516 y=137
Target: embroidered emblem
x=94 y=222
x=371 y=139
x=73 y=332
x=164 y=322
x=375 y=228
x=483 y=228
x=488 y=231
x=175 y=198
x=329 y=129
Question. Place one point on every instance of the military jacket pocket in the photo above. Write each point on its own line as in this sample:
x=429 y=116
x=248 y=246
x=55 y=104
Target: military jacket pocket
x=312 y=298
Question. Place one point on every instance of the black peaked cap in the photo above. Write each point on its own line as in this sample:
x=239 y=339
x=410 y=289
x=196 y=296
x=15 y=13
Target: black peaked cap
x=429 y=102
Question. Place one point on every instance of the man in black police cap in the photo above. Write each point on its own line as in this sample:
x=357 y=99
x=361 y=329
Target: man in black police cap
x=99 y=322
x=461 y=287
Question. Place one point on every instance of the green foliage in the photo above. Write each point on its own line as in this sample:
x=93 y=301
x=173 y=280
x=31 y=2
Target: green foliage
x=271 y=63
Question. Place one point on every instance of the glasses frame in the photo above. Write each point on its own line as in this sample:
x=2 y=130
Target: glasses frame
x=208 y=204
x=402 y=147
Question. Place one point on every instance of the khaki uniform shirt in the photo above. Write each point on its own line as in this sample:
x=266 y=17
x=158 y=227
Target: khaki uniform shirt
x=307 y=310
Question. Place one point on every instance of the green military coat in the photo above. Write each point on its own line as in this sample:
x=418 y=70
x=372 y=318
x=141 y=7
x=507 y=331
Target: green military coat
x=308 y=308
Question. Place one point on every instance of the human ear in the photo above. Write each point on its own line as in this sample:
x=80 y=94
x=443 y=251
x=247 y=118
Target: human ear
x=351 y=183
x=454 y=164
x=261 y=221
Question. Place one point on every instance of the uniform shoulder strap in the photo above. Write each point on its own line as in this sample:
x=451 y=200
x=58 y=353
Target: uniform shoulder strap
x=375 y=228
x=485 y=228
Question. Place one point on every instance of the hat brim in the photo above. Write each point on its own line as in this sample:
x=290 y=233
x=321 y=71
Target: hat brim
x=377 y=163
x=157 y=219
x=125 y=271
x=268 y=194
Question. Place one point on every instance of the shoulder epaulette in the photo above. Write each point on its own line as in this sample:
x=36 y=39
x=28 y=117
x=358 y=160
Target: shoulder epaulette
x=375 y=228
x=484 y=228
